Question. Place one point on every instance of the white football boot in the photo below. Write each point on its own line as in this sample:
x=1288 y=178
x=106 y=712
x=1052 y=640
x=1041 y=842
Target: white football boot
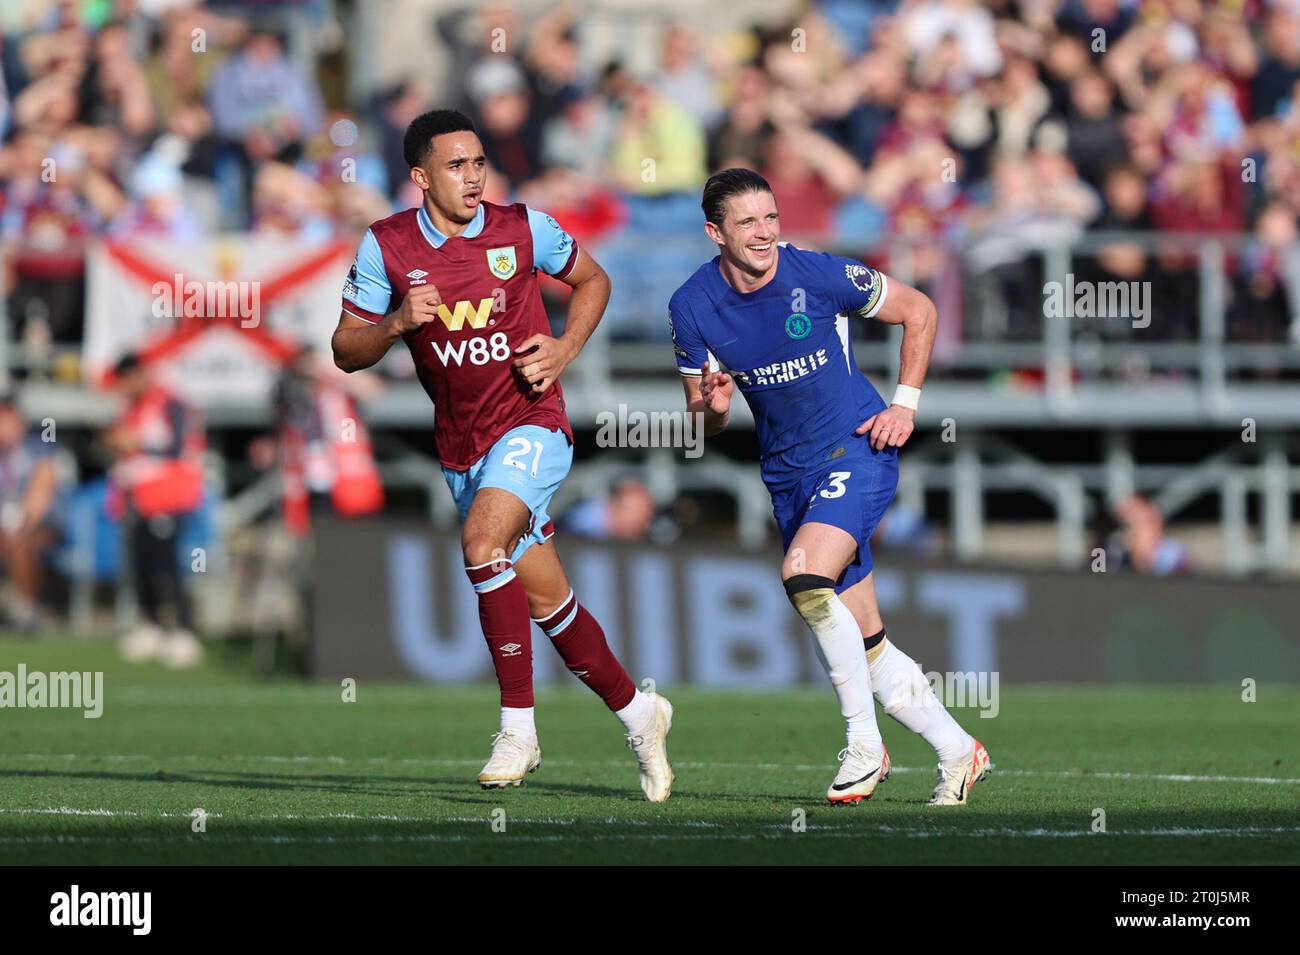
x=861 y=771
x=180 y=650
x=651 y=748
x=958 y=777
x=142 y=644
x=513 y=757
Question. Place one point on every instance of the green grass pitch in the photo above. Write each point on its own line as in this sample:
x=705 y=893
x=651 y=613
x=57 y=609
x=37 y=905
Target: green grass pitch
x=289 y=773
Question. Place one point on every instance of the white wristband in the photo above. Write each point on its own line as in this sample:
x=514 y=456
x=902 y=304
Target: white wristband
x=907 y=396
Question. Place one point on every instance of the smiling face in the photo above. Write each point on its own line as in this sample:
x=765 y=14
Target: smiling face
x=454 y=176
x=748 y=233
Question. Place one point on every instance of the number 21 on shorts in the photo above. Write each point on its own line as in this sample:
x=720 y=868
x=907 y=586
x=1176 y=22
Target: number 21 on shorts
x=522 y=447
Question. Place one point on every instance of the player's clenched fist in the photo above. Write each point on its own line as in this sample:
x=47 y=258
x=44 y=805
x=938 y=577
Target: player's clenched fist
x=418 y=308
x=716 y=388
x=542 y=359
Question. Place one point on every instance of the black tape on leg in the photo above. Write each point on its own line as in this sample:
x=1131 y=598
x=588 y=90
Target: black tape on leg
x=873 y=641
x=801 y=583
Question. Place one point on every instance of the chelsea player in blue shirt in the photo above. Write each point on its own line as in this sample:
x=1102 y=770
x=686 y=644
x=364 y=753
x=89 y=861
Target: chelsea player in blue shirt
x=776 y=317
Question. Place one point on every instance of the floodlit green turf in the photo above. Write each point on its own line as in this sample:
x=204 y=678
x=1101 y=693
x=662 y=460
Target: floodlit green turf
x=291 y=774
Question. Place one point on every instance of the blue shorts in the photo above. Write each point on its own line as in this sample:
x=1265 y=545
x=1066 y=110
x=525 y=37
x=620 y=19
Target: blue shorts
x=851 y=492
x=531 y=463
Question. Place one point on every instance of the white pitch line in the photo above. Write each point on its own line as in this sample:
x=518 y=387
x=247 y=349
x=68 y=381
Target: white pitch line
x=1163 y=777
x=217 y=696
x=321 y=817
x=802 y=767
x=70 y=811
x=266 y=758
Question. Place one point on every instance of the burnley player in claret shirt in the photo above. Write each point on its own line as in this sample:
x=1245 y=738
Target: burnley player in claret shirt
x=456 y=280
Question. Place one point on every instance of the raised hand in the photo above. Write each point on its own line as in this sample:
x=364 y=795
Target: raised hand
x=716 y=388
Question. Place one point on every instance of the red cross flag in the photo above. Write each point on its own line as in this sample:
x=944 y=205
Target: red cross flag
x=216 y=318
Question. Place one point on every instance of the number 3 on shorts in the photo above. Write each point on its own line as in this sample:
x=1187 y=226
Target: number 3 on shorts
x=836 y=488
x=523 y=446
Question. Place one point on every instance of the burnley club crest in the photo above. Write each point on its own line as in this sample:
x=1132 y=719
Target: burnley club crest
x=501 y=262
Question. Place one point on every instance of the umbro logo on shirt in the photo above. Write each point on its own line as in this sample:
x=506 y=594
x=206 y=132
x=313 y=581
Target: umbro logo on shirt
x=416 y=276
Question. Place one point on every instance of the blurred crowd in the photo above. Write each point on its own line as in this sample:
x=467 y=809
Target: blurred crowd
x=941 y=140
x=881 y=124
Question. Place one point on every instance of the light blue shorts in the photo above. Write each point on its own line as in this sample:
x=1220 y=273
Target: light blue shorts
x=531 y=463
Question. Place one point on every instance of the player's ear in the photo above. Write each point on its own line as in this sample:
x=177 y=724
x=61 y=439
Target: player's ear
x=713 y=232
x=419 y=178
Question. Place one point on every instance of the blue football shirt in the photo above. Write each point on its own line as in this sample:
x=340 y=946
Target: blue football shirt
x=787 y=347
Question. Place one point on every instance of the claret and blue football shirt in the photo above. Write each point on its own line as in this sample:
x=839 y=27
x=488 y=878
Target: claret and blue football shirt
x=487 y=278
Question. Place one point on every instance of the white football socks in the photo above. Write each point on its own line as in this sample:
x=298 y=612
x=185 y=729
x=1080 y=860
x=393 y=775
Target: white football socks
x=518 y=719
x=636 y=716
x=840 y=640
x=906 y=695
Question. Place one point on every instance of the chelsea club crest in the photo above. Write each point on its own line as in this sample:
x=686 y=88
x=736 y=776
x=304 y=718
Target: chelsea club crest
x=798 y=326
x=501 y=262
